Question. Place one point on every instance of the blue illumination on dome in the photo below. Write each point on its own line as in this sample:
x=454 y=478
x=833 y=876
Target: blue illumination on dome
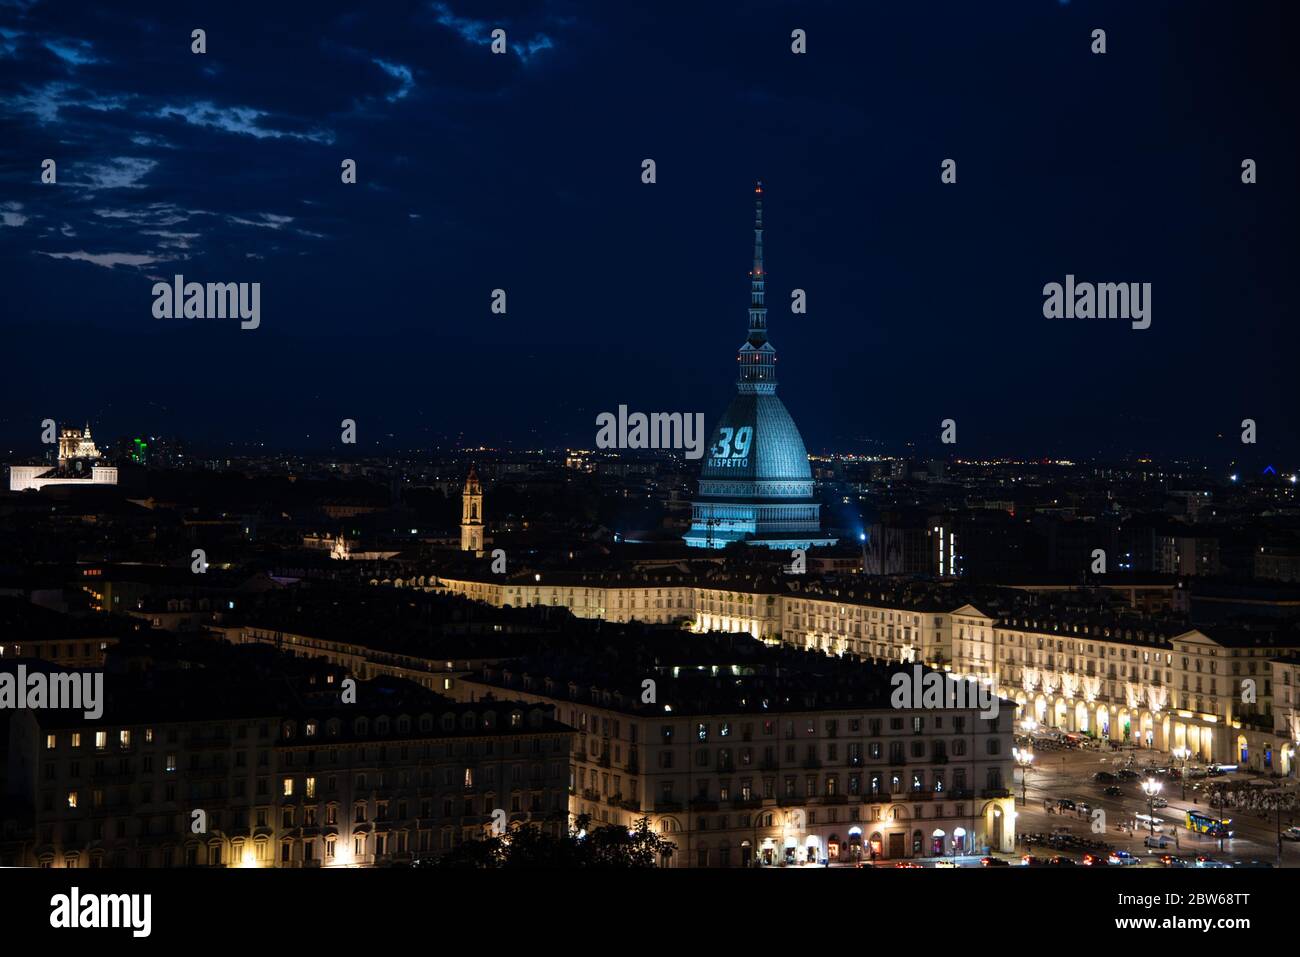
x=756 y=484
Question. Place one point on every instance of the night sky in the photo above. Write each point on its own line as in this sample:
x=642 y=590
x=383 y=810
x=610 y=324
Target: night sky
x=523 y=172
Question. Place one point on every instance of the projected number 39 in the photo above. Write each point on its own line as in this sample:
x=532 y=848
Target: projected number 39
x=726 y=449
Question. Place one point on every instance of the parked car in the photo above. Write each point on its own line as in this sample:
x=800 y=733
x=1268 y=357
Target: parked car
x=1113 y=791
x=1203 y=861
x=1030 y=861
x=1159 y=842
x=1104 y=777
x=1060 y=861
x=1168 y=860
x=1291 y=834
x=1095 y=860
x=1128 y=774
x=1159 y=802
x=1065 y=804
x=994 y=862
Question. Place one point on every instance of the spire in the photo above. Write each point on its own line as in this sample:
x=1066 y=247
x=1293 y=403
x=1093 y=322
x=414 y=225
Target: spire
x=757 y=358
x=757 y=276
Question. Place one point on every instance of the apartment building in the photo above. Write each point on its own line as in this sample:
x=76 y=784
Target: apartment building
x=745 y=754
x=1144 y=678
x=233 y=768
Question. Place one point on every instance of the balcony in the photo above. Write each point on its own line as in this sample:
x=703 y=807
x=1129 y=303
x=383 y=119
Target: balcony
x=667 y=807
x=996 y=793
x=835 y=799
x=703 y=804
x=811 y=763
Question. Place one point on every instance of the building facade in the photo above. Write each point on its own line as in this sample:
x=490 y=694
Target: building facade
x=1141 y=679
x=326 y=787
x=827 y=784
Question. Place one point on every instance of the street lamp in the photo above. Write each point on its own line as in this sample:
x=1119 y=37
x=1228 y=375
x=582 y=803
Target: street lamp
x=1027 y=727
x=1024 y=759
x=1151 y=787
x=1182 y=754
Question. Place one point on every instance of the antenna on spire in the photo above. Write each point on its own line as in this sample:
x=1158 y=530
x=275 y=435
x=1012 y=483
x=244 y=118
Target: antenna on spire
x=757 y=357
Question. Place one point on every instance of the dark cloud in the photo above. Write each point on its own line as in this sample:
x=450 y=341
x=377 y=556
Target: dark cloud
x=478 y=171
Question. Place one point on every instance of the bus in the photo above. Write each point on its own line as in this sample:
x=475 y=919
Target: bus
x=1204 y=824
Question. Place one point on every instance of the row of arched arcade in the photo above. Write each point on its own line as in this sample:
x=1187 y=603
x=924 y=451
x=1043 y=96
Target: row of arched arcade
x=1142 y=727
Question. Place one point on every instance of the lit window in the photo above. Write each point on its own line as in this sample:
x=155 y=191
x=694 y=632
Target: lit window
x=124 y=738
x=288 y=787
x=72 y=799
x=311 y=787
x=101 y=740
x=51 y=742
x=76 y=739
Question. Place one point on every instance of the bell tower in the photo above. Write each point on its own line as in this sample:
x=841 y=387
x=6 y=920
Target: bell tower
x=471 y=515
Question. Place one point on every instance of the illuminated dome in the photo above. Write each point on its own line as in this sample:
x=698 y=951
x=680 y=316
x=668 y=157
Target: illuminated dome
x=759 y=425
x=756 y=485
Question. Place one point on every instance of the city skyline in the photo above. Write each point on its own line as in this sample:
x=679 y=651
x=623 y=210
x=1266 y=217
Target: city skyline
x=924 y=297
x=397 y=473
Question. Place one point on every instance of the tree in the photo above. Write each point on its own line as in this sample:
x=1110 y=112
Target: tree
x=528 y=845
